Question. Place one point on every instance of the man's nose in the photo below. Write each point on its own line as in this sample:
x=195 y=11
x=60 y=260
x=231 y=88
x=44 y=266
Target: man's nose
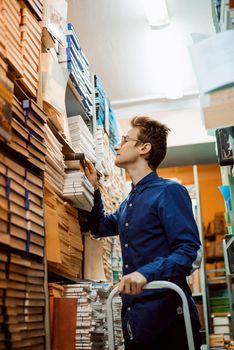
x=118 y=146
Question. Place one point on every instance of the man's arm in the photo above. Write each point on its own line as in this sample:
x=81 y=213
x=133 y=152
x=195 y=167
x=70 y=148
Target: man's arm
x=101 y=223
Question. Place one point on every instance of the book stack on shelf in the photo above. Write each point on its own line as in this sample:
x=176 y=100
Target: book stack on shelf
x=10 y=17
x=81 y=138
x=82 y=292
x=73 y=58
x=22 y=302
x=63 y=236
x=36 y=6
x=105 y=114
x=28 y=132
x=31 y=34
x=55 y=166
x=22 y=223
x=91 y=315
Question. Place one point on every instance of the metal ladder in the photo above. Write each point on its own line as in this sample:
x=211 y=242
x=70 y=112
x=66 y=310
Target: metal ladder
x=152 y=285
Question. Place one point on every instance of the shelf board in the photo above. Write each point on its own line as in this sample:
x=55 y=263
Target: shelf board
x=217 y=280
x=55 y=275
x=74 y=105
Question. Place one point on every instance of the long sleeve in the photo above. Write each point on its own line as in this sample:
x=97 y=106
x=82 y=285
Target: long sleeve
x=101 y=223
x=176 y=216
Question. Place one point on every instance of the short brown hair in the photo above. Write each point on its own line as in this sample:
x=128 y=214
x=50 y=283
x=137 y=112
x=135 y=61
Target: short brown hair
x=156 y=134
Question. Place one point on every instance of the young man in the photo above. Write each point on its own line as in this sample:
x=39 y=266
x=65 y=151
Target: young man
x=159 y=241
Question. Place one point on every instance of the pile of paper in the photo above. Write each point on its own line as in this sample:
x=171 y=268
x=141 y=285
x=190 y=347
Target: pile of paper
x=6 y=97
x=78 y=190
x=63 y=236
x=81 y=138
x=117 y=306
x=73 y=58
x=82 y=292
x=36 y=7
x=55 y=167
x=55 y=9
x=100 y=98
x=22 y=303
x=28 y=125
x=10 y=19
x=21 y=219
x=105 y=114
x=31 y=33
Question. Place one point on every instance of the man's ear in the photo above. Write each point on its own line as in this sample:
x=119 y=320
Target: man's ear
x=145 y=148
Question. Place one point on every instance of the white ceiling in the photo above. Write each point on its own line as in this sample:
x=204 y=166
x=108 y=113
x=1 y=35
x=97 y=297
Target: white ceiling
x=134 y=62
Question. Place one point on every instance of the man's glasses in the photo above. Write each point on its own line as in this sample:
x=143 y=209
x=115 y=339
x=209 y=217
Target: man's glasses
x=127 y=138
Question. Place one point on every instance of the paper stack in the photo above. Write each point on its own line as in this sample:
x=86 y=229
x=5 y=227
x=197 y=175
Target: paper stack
x=6 y=91
x=105 y=114
x=103 y=152
x=81 y=138
x=36 y=7
x=22 y=222
x=55 y=167
x=82 y=292
x=31 y=33
x=78 y=190
x=63 y=236
x=117 y=306
x=73 y=58
x=10 y=19
x=28 y=126
x=22 y=303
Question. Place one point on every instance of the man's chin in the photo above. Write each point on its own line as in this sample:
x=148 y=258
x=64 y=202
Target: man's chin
x=118 y=164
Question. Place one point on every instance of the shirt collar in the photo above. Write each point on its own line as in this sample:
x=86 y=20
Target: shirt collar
x=144 y=182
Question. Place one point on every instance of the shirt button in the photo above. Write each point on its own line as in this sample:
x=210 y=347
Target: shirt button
x=126 y=224
x=126 y=245
x=129 y=308
x=130 y=205
x=126 y=266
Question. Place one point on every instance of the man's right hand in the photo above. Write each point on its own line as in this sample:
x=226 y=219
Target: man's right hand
x=91 y=174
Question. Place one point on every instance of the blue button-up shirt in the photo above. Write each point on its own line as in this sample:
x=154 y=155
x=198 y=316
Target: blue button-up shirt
x=159 y=238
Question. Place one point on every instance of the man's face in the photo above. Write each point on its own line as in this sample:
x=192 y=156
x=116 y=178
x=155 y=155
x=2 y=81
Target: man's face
x=129 y=151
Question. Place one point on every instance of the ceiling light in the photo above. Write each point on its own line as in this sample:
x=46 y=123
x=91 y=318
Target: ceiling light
x=156 y=13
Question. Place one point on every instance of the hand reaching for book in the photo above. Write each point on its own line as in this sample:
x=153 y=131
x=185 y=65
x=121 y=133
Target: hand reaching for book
x=91 y=174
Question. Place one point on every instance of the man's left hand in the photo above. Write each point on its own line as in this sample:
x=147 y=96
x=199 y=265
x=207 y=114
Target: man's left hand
x=132 y=283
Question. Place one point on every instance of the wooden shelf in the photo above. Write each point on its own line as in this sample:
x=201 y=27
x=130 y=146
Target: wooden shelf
x=73 y=100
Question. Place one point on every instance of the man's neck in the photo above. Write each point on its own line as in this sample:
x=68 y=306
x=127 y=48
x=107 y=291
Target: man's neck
x=136 y=174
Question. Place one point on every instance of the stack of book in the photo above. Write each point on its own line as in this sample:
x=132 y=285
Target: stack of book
x=55 y=167
x=6 y=97
x=63 y=235
x=82 y=292
x=31 y=33
x=74 y=59
x=22 y=222
x=22 y=303
x=100 y=98
x=216 y=342
x=10 y=18
x=117 y=306
x=28 y=124
x=36 y=6
x=78 y=190
x=81 y=138
x=103 y=152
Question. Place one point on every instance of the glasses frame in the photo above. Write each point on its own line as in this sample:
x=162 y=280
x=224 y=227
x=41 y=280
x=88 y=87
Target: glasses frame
x=126 y=138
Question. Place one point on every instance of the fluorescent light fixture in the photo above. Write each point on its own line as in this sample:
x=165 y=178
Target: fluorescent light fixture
x=156 y=13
